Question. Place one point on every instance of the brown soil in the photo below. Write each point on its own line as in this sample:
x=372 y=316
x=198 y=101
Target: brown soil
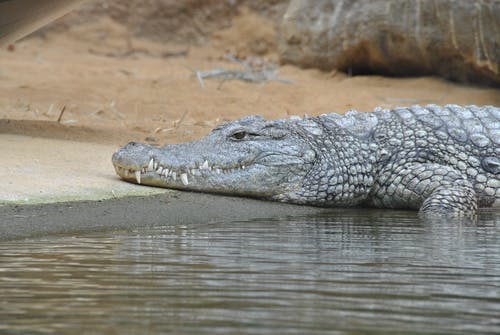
x=99 y=81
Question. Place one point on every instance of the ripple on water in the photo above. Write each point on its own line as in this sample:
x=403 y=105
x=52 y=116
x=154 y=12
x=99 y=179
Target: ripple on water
x=355 y=272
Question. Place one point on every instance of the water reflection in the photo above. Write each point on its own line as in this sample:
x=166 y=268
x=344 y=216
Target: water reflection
x=348 y=272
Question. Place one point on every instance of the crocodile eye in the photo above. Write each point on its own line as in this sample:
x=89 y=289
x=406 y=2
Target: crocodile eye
x=239 y=135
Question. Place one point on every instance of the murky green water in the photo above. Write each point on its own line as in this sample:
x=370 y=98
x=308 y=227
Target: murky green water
x=351 y=272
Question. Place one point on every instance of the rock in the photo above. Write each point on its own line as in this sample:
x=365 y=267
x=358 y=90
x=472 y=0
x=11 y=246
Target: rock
x=459 y=40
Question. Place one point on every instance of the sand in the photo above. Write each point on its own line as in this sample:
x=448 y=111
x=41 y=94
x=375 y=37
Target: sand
x=148 y=91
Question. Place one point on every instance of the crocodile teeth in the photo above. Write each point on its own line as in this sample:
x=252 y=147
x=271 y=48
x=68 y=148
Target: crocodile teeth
x=184 y=179
x=151 y=165
x=164 y=172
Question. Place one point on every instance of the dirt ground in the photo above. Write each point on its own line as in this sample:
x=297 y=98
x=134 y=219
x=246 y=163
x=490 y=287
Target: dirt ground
x=97 y=82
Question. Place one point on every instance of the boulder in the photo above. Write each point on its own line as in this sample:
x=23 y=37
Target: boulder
x=459 y=40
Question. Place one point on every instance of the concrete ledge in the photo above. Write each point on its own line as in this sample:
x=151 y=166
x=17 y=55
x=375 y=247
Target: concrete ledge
x=41 y=170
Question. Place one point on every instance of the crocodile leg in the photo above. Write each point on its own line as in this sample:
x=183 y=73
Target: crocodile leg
x=434 y=189
x=455 y=200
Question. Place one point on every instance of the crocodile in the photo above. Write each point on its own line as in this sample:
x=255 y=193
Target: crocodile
x=440 y=160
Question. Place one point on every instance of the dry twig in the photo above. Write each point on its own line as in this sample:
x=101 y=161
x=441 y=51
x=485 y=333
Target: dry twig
x=61 y=114
x=251 y=73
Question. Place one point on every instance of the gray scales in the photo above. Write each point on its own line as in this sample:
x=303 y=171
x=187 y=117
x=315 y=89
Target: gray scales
x=439 y=160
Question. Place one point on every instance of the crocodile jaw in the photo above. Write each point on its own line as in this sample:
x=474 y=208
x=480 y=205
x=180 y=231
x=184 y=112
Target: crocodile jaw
x=202 y=177
x=251 y=175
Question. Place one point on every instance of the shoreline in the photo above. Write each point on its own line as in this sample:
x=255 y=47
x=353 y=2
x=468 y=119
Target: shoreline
x=136 y=212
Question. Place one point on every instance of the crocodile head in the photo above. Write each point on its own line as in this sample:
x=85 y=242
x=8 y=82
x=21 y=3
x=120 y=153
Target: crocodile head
x=248 y=157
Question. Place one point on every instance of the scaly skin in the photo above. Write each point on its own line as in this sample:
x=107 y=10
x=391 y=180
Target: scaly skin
x=439 y=160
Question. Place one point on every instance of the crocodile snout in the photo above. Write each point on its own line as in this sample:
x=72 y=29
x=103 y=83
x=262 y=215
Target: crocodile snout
x=133 y=155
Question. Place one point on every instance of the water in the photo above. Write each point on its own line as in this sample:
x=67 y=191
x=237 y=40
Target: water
x=349 y=272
